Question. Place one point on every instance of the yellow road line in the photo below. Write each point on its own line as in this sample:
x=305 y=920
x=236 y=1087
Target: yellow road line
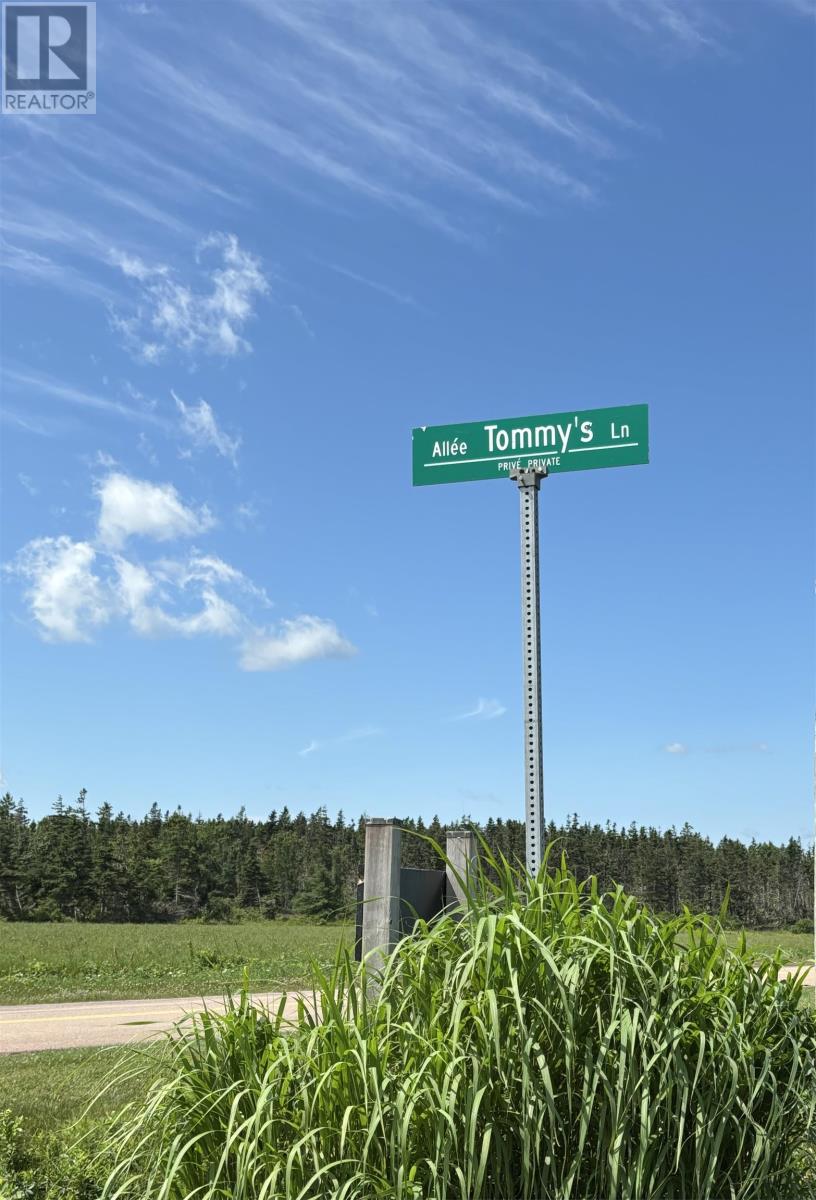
x=93 y=1016
x=112 y=1016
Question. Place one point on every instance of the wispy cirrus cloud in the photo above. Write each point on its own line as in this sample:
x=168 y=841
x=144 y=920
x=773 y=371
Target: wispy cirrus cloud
x=25 y=423
x=31 y=266
x=800 y=8
x=422 y=110
x=171 y=314
x=200 y=427
x=484 y=710
x=354 y=735
x=440 y=114
x=689 y=25
x=239 y=118
x=51 y=226
x=383 y=288
x=39 y=384
x=247 y=515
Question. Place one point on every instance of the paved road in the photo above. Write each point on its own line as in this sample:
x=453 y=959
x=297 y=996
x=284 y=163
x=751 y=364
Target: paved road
x=104 y=1022
x=810 y=978
x=116 y=1022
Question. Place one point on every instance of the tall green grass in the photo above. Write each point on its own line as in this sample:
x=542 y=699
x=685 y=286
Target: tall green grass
x=554 y=1043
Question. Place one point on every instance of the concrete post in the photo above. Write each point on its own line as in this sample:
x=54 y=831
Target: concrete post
x=381 y=890
x=460 y=848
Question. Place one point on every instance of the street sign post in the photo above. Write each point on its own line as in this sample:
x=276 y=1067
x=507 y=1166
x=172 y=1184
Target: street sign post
x=527 y=450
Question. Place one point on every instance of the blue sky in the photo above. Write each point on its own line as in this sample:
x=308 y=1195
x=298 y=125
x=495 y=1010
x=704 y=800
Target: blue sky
x=292 y=232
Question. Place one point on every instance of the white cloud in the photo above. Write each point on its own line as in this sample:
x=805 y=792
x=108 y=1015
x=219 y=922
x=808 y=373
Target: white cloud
x=133 y=506
x=216 y=616
x=199 y=424
x=207 y=570
x=174 y=314
x=25 y=481
x=354 y=735
x=134 y=267
x=676 y=748
x=297 y=640
x=67 y=599
x=72 y=587
x=135 y=584
x=485 y=710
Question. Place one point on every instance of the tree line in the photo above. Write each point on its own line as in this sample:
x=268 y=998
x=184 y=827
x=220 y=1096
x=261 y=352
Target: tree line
x=169 y=866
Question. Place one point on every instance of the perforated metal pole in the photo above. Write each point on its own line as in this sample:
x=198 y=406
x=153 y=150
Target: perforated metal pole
x=528 y=483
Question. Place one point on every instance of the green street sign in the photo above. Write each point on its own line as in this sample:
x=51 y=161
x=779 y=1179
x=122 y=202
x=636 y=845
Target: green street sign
x=567 y=441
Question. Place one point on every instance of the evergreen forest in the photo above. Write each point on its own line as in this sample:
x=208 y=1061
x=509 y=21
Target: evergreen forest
x=169 y=866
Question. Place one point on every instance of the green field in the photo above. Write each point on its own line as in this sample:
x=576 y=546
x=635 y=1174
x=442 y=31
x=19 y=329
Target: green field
x=109 y=962
x=795 y=947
